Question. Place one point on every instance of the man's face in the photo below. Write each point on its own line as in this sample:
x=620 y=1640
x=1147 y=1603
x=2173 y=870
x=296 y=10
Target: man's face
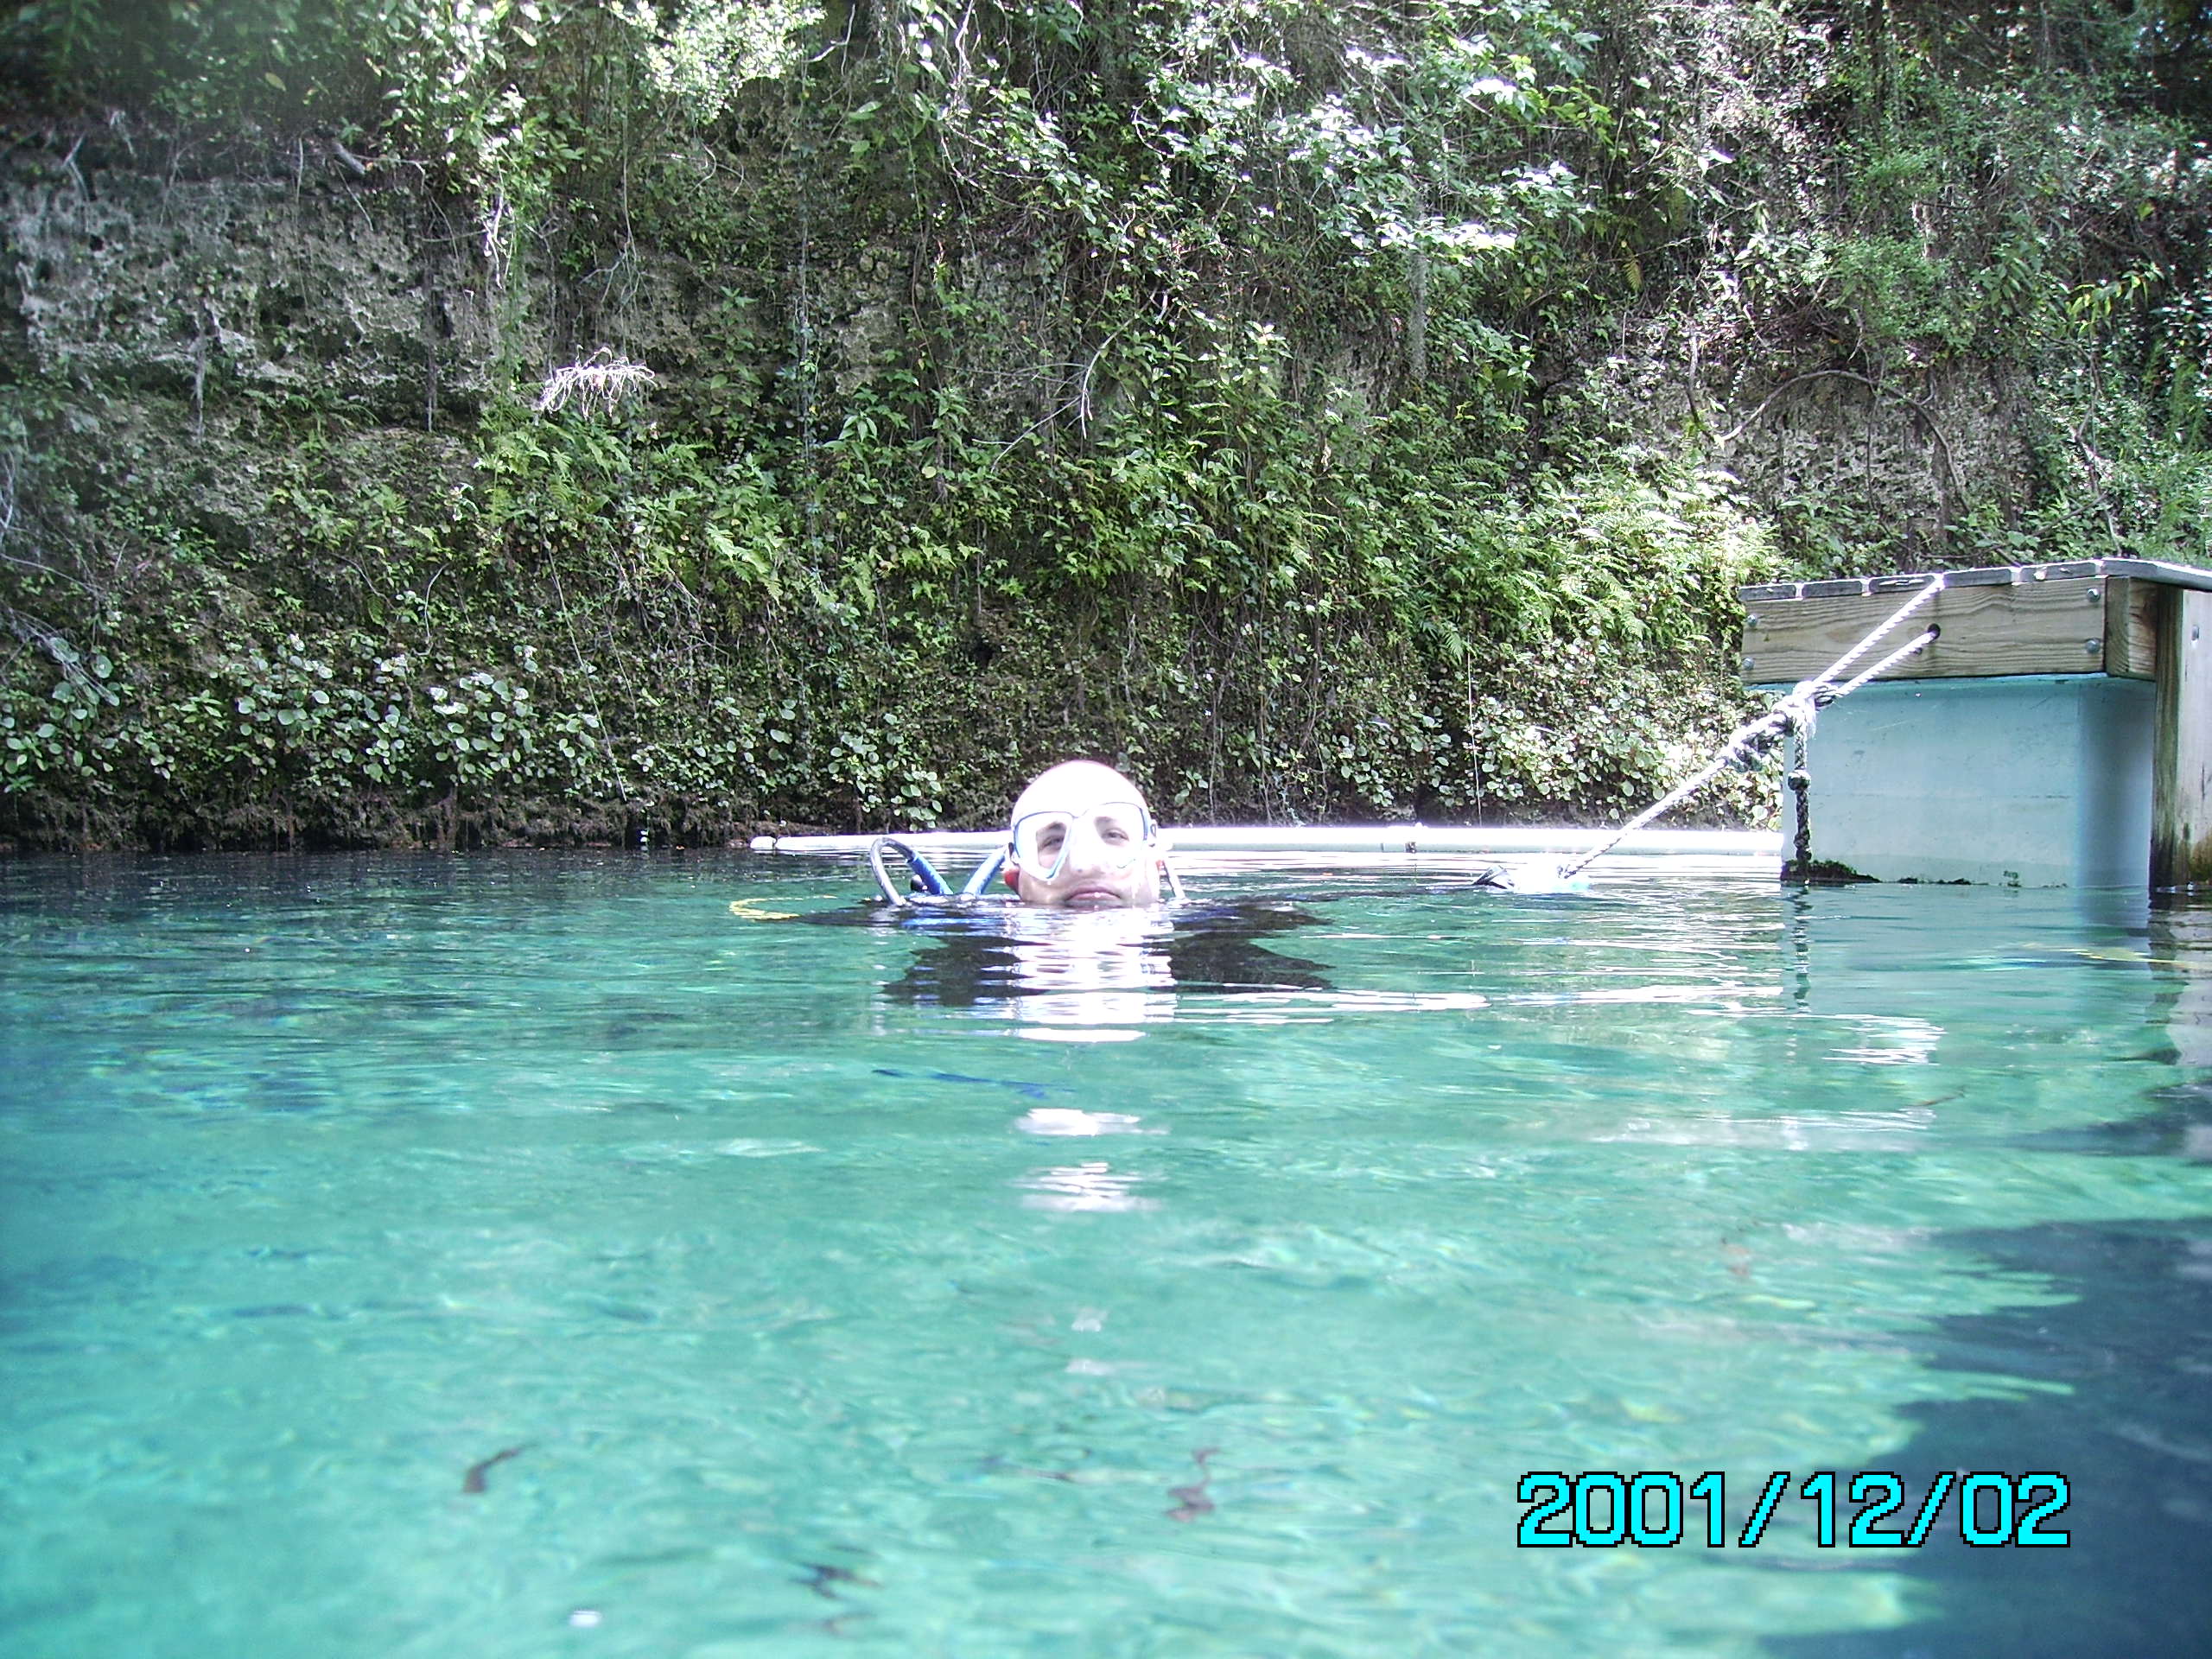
x=1095 y=856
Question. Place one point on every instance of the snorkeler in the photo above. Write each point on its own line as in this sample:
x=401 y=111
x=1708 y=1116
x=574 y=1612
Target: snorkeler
x=1082 y=838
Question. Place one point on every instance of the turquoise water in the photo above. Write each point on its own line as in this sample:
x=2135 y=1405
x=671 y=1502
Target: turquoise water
x=1080 y=1285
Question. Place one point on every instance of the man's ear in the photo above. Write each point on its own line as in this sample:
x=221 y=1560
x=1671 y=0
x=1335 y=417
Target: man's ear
x=1012 y=875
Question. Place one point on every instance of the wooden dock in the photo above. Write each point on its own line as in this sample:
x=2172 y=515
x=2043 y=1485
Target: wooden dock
x=2057 y=732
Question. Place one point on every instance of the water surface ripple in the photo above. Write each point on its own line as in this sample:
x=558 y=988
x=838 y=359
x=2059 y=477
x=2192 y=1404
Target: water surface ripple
x=518 y=1256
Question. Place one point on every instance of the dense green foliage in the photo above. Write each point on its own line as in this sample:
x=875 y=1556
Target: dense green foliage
x=1324 y=411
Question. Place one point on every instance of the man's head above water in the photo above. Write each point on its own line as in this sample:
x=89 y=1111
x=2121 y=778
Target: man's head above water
x=1083 y=837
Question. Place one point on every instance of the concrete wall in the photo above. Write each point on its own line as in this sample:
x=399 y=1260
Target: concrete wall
x=2035 y=781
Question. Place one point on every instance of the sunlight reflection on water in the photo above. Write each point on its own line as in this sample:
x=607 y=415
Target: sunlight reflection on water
x=328 y=1180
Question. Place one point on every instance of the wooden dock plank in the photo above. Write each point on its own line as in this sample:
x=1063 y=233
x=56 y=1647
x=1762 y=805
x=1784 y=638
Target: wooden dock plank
x=2131 y=628
x=2054 y=626
x=2181 y=755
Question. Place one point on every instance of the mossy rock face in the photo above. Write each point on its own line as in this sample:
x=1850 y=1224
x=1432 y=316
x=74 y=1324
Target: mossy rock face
x=237 y=287
x=1111 y=397
x=312 y=609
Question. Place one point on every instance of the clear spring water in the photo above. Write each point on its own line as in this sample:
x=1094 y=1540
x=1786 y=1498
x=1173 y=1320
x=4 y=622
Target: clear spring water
x=1082 y=1285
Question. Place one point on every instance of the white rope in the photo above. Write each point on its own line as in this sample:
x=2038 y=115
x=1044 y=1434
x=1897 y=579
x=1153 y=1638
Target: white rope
x=1935 y=587
x=1799 y=708
x=1745 y=738
x=1883 y=667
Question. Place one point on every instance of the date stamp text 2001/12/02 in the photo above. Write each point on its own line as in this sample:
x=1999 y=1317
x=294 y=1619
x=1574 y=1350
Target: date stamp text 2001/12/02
x=1601 y=1508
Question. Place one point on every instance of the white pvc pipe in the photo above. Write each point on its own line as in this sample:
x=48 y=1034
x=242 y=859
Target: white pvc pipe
x=1398 y=838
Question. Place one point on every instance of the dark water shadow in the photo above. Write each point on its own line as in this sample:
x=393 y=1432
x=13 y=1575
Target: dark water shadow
x=2128 y=1423
x=2131 y=1433
x=2119 y=1403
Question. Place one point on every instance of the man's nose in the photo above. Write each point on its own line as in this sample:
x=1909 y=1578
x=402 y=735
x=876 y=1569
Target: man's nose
x=1086 y=853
